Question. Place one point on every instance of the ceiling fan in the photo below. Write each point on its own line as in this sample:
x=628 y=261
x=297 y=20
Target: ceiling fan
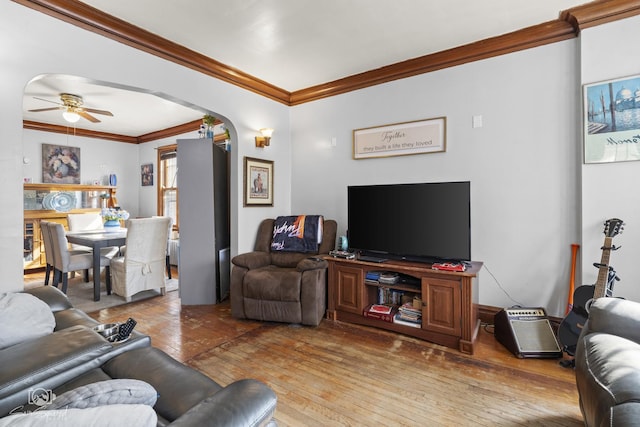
x=72 y=108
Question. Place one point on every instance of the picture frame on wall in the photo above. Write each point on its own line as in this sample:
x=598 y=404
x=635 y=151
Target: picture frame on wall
x=401 y=139
x=60 y=164
x=146 y=174
x=258 y=182
x=612 y=120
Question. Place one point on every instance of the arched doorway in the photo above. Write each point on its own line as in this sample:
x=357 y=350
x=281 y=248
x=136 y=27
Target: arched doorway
x=165 y=119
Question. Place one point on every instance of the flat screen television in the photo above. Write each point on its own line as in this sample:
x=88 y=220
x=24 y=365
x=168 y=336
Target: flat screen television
x=424 y=222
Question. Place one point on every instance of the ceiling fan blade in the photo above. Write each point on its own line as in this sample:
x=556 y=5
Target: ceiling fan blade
x=88 y=116
x=47 y=100
x=95 y=111
x=45 y=109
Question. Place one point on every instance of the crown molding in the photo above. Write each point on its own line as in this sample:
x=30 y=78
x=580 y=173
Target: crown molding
x=67 y=130
x=549 y=32
x=568 y=25
x=172 y=131
x=148 y=137
x=91 y=19
x=600 y=12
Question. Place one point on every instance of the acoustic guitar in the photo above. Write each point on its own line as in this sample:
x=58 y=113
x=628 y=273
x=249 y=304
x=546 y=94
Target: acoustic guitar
x=583 y=297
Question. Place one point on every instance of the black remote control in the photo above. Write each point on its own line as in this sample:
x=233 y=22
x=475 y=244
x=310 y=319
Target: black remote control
x=125 y=329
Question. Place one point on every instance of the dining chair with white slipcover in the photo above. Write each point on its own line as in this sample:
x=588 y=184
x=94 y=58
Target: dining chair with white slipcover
x=84 y=222
x=88 y=222
x=143 y=264
x=167 y=259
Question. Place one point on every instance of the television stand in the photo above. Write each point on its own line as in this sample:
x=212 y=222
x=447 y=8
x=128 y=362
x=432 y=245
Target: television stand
x=448 y=299
x=375 y=259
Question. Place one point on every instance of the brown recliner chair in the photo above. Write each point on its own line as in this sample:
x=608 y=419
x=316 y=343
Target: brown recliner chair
x=288 y=287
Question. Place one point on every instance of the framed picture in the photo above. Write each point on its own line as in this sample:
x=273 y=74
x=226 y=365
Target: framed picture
x=258 y=182
x=400 y=139
x=146 y=174
x=60 y=164
x=612 y=120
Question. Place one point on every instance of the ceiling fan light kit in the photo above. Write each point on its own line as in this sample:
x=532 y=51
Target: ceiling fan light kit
x=72 y=109
x=70 y=115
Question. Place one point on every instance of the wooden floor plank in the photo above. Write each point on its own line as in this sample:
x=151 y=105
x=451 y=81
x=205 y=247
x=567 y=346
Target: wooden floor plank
x=348 y=375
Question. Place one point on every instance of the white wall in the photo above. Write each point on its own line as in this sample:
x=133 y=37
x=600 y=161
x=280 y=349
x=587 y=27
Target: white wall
x=98 y=159
x=148 y=195
x=522 y=164
x=609 y=190
x=32 y=43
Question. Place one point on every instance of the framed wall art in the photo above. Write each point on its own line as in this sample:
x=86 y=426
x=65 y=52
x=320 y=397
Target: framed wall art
x=612 y=120
x=400 y=139
x=258 y=182
x=60 y=164
x=146 y=174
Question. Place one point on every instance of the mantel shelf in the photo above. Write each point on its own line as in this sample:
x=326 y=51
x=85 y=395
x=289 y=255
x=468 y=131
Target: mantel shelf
x=67 y=187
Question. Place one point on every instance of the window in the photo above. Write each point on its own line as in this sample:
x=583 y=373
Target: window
x=168 y=183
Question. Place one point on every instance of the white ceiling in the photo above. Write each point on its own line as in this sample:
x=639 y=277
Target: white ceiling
x=292 y=44
x=124 y=103
x=295 y=44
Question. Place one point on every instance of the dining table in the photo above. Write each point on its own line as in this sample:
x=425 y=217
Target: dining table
x=96 y=240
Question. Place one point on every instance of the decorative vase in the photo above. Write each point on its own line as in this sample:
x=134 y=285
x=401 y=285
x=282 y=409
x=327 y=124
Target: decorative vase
x=112 y=225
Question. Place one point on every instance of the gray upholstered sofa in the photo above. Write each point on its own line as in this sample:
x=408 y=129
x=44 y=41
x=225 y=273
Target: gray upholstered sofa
x=608 y=364
x=288 y=287
x=76 y=359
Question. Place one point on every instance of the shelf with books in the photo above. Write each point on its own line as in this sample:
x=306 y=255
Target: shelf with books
x=398 y=320
x=380 y=312
x=437 y=306
x=398 y=282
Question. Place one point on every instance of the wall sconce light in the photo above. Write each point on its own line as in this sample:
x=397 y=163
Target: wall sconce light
x=70 y=115
x=264 y=140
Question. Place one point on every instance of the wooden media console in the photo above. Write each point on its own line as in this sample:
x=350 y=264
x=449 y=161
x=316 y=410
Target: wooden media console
x=448 y=300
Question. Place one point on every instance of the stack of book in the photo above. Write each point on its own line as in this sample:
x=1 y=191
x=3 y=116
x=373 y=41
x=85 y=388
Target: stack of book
x=372 y=277
x=408 y=315
x=389 y=296
x=380 y=312
x=389 y=278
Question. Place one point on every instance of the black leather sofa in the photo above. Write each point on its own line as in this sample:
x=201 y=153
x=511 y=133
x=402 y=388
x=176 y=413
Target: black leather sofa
x=608 y=364
x=74 y=355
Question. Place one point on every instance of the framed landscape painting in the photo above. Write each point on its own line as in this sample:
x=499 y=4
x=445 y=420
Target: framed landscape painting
x=612 y=120
x=258 y=182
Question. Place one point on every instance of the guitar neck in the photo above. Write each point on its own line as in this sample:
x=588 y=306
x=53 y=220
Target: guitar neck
x=603 y=270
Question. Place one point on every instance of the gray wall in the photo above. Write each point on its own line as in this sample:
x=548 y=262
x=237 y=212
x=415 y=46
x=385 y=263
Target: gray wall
x=522 y=163
x=531 y=195
x=609 y=190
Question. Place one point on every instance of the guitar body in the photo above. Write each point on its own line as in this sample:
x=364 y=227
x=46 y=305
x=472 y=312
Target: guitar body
x=571 y=326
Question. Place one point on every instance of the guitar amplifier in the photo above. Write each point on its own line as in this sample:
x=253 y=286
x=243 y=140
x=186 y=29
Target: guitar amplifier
x=526 y=332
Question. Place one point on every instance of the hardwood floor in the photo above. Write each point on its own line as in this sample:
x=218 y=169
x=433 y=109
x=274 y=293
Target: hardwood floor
x=342 y=374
